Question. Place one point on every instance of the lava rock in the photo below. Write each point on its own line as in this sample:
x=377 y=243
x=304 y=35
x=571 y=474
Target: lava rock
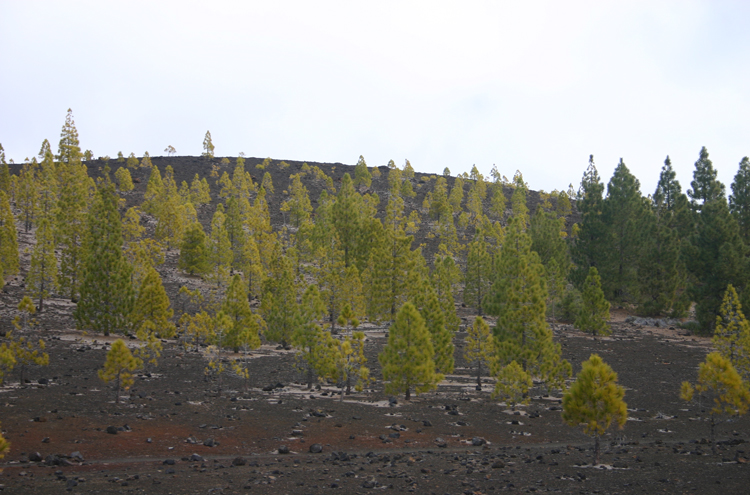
x=283 y=449
x=43 y=381
x=196 y=458
x=209 y=442
x=498 y=465
x=168 y=462
x=395 y=434
x=112 y=430
x=35 y=457
x=316 y=448
x=77 y=456
x=426 y=422
x=239 y=461
x=478 y=441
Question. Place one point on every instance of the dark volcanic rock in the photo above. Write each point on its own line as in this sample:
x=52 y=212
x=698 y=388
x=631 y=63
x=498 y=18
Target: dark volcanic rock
x=316 y=448
x=112 y=430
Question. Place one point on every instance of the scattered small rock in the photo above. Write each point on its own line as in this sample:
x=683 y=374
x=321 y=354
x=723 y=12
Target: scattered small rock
x=239 y=461
x=35 y=457
x=316 y=448
x=112 y=430
x=283 y=449
x=209 y=442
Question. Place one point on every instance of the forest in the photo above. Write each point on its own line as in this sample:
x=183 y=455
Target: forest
x=308 y=258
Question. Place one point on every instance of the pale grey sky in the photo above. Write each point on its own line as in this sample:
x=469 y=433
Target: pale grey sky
x=534 y=86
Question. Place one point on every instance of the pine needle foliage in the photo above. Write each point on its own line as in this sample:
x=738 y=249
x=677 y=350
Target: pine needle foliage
x=118 y=366
x=593 y=316
x=407 y=359
x=595 y=400
x=732 y=333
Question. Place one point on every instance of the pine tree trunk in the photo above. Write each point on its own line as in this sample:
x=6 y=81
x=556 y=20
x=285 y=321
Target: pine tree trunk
x=596 y=449
x=117 y=388
x=479 y=374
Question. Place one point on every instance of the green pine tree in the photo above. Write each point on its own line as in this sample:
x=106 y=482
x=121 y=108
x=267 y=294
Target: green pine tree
x=194 y=251
x=106 y=290
x=594 y=313
x=739 y=200
x=362 y=175
x=42 y=277
x=622 y=212
x=705 y=188
x=595 y=400
x=245 y=328
x=478 y=274
x=590 y=246
x=279 y=306
x=208 y=146
x=715 y=258
x=69 y=149
x=479 y=347
x=518 y=298
x=9 y=259
x=407 y=359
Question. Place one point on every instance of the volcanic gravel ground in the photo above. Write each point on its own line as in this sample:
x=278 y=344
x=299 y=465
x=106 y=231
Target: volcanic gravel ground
x=176 y=433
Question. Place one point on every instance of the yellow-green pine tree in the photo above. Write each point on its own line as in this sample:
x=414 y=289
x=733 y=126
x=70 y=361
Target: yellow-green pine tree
x=24 y=351
x=478 y=276
x=594 y=314
x=152 y=312
x=732 y=333
x=124 y=180
x=407 y=359
x=70 y=225
x=309 y=338
x=219 y=248
x=479 y=347
x=27 y=193
x=279 y=306
x=194 y=251
x=42 y=277
x=245 y=328
x=512 y=384
x=118 y=366
x=723 y=386
x=9 y=259
x=350 y=363
x=132 y=161
x=595 y=400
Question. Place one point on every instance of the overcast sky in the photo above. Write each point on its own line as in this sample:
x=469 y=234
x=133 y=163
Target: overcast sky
x=533 y=86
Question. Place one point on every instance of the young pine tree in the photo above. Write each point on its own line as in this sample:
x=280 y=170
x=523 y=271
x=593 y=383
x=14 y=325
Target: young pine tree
x=478 y=273
x=407 y=358
x=720 y=383
x=512 y=384
x=194 y=251
x=118 y=367
x=732 y=334
x=152 y=316
x=246 y=326
x=479 y=347
x=595 y=400
x=594 y=314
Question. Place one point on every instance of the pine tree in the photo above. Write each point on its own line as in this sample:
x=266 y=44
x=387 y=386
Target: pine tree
x=106 y=291
x=478 y=273
x=457 y=195
x=9 y=259
x=219 y=248
x=512 y=384
x=23 y=350
x=362 y=175
x=445 y=275
x=42 y=277
x=517 y=298
x=439 y=206
x=118 y=366
x=715 y=258
x=298 y=205
x=622 y=212
x=732 y=333
x=719 y=381
x=4 y=446
x=309 y=339
x=194 y=251
x=590 y=245
x=661 y=272
x=407 y=357
x=4 y=172
x=594 y=314
x=347 y=220
x=71 y=226
x=132 y=161
x=668 y=189
x=208 y=146
x=151 y=312
x=425 y=299
x=154 y=193
x=704 y=186
x=69 y=149
x=548 y=242
x=27 y=193
x=595 y=400
x=279 y=306
x=479 y=347
x=245 y=328
x=350 y=363
x=124 y=180
x=739 y=200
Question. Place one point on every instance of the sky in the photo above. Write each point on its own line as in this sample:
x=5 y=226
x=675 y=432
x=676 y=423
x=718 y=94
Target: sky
x=529 y=86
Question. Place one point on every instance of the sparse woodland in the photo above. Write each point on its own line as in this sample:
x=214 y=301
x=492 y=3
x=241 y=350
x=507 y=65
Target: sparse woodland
x=380 y=247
